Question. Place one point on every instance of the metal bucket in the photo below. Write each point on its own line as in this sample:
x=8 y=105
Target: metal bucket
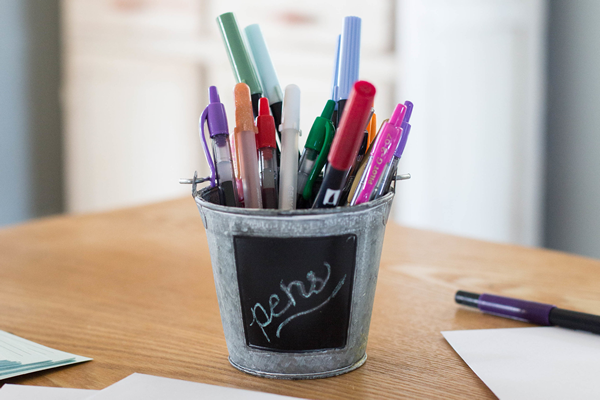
x=295 y=288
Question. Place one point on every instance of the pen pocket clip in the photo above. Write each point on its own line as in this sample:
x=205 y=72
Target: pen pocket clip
x=211 y=165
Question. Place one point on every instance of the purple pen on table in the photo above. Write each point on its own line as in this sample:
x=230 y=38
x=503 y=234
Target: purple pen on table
x=529 y=311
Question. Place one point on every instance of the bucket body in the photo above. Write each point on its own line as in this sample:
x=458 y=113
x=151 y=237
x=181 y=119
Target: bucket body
x=295 y=288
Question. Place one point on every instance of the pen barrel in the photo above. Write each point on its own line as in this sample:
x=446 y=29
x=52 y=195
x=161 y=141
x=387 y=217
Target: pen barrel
x=276 y=109
x=380 y=156
x=268 y=176
x=384 y=184
x=225 y=173
x=288 y=173
x=575 y=320
x=255 y=99
x=341 y=104
x=307 y=162
x=246 y=140
x=522 y=310
x=330 y=192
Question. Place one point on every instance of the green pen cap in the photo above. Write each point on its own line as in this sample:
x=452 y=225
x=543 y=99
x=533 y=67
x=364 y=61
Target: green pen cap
x=239 y=57
x=316 y=136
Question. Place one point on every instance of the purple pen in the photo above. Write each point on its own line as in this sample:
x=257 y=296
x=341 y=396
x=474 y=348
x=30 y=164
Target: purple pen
x=214 y=115
x=380 y=156
x=383 y=186
x=529 y=311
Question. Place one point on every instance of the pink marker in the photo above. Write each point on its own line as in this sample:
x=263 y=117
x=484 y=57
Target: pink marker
x=380 y=155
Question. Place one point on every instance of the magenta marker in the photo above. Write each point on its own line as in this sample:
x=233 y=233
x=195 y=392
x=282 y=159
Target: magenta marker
x=380 y=156
x=383 y=186
x=529 y=311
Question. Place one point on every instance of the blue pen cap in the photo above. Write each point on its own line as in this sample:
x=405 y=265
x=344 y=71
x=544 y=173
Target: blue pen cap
x=264 y=65
x=349 y=56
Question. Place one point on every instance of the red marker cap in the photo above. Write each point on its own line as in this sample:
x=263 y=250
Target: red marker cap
x=266 y=126
x=351 y=130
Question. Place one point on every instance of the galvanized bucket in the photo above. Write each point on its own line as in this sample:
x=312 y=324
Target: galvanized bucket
x=295 y=288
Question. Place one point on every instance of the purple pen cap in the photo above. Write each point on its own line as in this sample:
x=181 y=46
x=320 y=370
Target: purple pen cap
x=216 y=117
x=405 y=130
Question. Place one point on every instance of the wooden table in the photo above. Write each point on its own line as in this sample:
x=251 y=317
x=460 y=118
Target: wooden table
x=134 y=290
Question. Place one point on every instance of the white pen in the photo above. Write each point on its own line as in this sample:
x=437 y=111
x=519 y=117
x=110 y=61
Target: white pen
x=290 y=128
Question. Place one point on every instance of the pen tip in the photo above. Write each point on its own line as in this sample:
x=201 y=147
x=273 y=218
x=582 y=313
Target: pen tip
x=213 y=95
x=409 y=108
x=364 y=89
x=328 y=110
x=263 y=106
x=244 y=118
x=398 y=115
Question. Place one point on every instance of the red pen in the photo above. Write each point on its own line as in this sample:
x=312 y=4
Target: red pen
x=346 y=143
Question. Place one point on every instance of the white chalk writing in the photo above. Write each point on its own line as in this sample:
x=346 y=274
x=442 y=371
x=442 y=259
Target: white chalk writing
x=317 y=285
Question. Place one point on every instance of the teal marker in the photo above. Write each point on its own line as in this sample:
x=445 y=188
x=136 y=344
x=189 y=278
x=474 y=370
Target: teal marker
x=266 y=71
x=239 y=57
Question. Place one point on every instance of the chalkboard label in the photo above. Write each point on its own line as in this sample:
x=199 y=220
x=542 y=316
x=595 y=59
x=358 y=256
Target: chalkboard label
x=296 y=292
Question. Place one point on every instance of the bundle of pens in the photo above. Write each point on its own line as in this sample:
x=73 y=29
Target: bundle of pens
x=358 y=164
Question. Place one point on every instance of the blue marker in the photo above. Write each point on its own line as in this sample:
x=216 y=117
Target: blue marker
x=349 y=61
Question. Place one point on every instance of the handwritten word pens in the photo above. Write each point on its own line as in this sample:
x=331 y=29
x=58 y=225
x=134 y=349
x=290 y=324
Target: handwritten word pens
x=346 y=144
x=245 y=138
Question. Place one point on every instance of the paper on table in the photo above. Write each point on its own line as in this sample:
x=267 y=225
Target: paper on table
x=148 y=387
x=24 y=392
x=19 y=356
x=532 y=363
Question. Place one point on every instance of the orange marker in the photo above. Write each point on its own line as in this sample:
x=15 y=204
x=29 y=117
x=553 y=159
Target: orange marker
x=245 y=144
x=372 y=129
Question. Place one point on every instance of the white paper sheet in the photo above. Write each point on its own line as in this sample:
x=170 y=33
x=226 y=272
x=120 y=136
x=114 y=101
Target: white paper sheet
x=148 y=387
x=19 y=356
x=532 y=363
x=24 y=392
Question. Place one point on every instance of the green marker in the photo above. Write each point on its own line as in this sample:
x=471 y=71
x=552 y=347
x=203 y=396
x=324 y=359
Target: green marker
x=316 y=150
x=239 y=57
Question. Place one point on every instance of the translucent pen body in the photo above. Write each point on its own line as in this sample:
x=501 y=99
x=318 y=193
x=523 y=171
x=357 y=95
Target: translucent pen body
x=268 y=176
x=289 y=169
x=225 y=174
x=249 y=169
x=383 y=186
x=307 y=162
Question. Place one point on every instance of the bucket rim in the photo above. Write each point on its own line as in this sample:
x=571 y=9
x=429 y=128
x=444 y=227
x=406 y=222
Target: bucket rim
x=200 y=201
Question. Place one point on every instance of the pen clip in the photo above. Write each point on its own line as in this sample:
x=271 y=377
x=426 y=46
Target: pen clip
x=213 y=173
x=320 y=161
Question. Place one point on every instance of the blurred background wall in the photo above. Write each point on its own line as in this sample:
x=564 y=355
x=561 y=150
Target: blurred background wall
x=31 y=181
x=572 y=220
x=503 y=145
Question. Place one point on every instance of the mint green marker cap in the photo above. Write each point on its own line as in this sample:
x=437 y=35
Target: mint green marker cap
x=264 y=65
x=240 y=60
